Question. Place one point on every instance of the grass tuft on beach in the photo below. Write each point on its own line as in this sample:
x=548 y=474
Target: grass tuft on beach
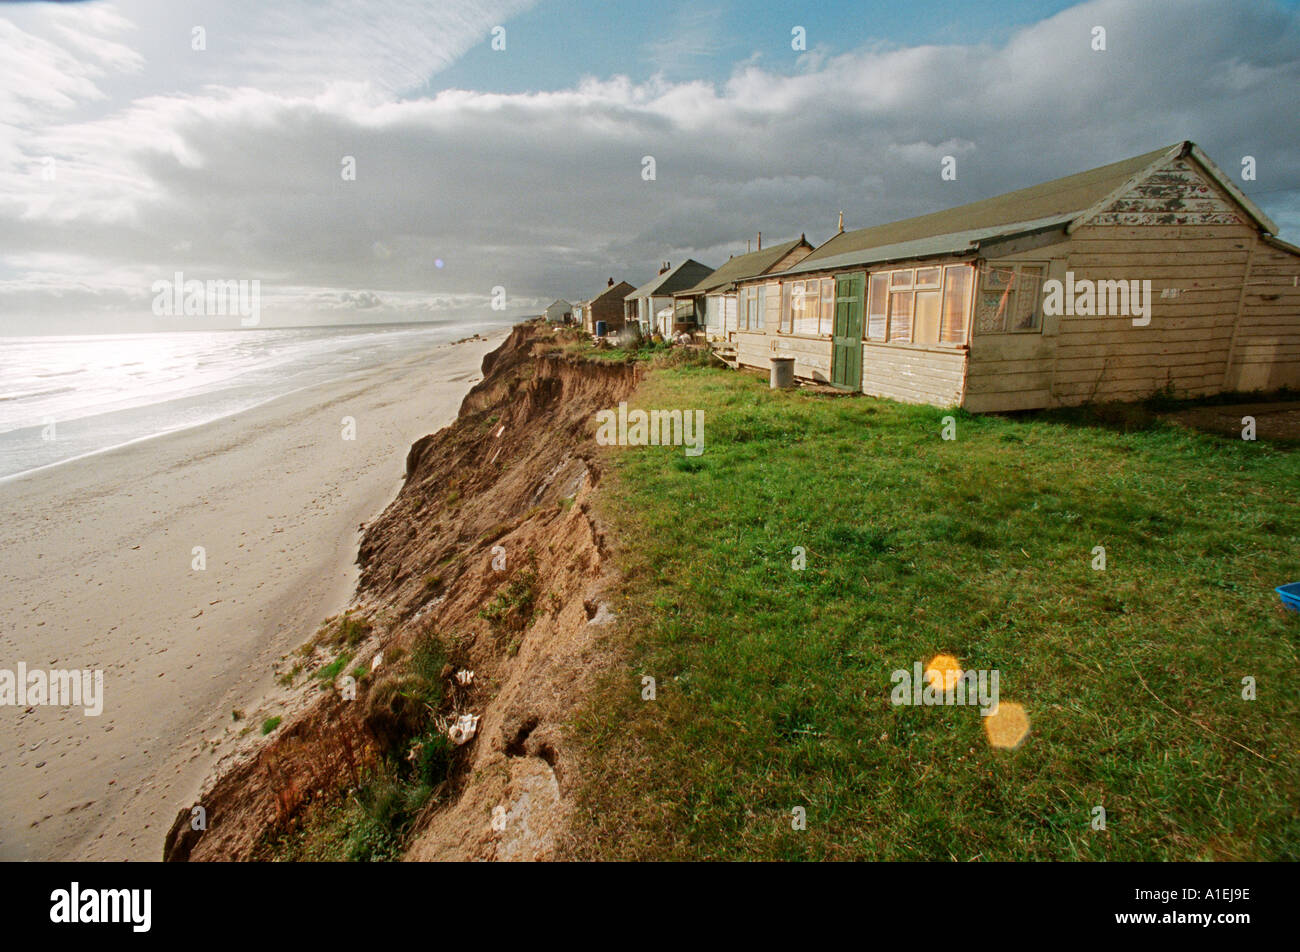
x=773 y=683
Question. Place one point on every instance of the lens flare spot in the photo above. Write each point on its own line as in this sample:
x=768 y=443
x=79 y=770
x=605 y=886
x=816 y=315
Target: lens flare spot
x=1008 y=726
x=943 y=672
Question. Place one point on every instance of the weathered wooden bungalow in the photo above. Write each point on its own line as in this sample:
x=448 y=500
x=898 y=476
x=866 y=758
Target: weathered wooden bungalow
x=712 y=302
x=606 y=306
x=646 y=304
x=557 y=310
x=1152 y=273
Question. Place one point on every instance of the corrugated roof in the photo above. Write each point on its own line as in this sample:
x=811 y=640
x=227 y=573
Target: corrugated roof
x=748 y=265
x=1060 y=199
x=683 y=276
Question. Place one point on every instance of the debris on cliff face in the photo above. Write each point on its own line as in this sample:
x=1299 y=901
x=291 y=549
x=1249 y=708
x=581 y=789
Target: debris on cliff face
x=492 y=548
x=462 y=730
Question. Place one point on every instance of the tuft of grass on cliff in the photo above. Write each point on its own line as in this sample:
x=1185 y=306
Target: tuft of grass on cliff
x=773 y=682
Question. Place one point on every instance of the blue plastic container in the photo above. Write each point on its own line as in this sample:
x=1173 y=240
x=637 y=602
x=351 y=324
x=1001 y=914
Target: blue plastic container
x=1290 y=595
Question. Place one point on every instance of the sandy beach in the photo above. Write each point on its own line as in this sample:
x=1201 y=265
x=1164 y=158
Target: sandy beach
x=97 y=566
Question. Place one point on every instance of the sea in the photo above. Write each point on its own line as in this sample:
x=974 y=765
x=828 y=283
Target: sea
x=67 y=397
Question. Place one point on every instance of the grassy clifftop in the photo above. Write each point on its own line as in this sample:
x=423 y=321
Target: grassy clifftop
x=773 y=682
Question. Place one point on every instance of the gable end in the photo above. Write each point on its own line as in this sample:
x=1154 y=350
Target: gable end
x=1175 y=193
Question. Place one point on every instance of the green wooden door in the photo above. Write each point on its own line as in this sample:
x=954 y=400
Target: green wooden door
x=846 y=339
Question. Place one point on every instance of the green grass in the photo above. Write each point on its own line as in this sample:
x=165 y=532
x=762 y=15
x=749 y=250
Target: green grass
x=511 y=609
x=369 y=824
x=774 y=684
x=374 y=821
x=345 y=630
x=270 y=724
x=328 y=672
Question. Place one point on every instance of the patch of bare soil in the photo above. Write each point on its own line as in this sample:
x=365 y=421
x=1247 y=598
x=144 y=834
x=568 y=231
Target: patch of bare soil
x=1273 y=421
x=492 y=546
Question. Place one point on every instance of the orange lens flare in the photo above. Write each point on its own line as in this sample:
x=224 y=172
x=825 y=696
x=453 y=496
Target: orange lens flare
x=1008 y=726
x=943 y=672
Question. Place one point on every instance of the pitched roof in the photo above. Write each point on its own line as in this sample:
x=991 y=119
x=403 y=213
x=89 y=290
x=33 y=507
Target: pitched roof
x=1041 y=207
x=748 y=265
x=683 y=276
x=619 y=291
x=1059 y=198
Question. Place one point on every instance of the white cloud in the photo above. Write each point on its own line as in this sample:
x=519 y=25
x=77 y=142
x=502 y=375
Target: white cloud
x=235 y=173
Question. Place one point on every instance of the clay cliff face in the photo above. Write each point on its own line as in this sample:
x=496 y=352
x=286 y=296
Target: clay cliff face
x=494 y=520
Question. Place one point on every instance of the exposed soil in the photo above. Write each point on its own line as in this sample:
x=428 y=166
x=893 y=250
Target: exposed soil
x=1273 y=421
x=494 y=512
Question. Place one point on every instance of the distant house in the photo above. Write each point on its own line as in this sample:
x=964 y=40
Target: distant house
x=606 y=306
x=651 y=305
x=1152 y=273
x=558 y=310
x=713 y=301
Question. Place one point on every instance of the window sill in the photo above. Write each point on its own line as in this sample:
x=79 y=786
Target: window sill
x=929 y=348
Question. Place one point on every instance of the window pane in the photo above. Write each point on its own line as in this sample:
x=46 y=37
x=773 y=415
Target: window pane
x=827 y=308
x=927 y=277
x=994 y=301
x=877 y=302
x=900 y=316
x=1029 y=312
x=901 y=279
x=956 y=299
x=785 y=307
x=926 y=319
x=806 y=305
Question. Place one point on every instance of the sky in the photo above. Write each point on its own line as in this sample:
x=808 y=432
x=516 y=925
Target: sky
x=142 y=138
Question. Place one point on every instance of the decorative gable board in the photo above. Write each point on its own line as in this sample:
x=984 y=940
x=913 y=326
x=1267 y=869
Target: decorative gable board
x=1174 y=194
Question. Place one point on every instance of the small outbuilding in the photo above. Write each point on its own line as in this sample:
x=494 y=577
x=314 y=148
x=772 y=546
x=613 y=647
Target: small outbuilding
x=558 y=311
x=646 y=304
x=712 y=303
x=606 y=306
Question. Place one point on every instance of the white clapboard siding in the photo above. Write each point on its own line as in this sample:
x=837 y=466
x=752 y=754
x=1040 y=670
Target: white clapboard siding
x=914 y=374
x=1266 y=347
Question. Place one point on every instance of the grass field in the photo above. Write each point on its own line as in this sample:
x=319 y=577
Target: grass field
x=773 y=682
